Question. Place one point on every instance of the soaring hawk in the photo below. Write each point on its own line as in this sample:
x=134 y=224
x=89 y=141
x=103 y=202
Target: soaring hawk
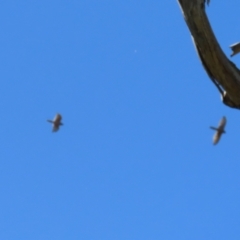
x=219 y=130
x=56 y=122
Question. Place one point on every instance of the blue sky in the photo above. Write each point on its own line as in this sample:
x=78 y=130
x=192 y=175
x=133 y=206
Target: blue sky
x=134 y=159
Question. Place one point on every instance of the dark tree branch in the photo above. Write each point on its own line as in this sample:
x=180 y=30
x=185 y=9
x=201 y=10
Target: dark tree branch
x=235 y=48
x=222 y=72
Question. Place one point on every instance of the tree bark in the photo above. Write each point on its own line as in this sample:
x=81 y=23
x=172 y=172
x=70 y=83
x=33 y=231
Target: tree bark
x=223 y=72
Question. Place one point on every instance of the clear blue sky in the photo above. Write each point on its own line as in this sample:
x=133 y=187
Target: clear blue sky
x=134 y=159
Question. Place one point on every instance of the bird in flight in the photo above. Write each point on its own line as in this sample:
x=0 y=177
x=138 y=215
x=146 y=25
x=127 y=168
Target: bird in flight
x=219 y=130
x=56 y=122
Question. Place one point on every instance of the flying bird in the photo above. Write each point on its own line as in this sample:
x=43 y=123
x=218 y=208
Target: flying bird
x=219 y=130
x=56 y=122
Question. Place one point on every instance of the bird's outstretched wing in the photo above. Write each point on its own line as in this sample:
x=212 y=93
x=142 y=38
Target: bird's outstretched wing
x=57 y=119
x=222 y=124
x=216 y=137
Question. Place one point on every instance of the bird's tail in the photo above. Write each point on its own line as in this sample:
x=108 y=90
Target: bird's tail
x=50 y=121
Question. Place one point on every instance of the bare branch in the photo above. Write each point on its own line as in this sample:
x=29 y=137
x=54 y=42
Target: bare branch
x=235 y=48
x=223 y=72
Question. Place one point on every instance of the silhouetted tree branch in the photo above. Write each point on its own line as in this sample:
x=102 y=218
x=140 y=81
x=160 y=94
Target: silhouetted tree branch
x=223 y=72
